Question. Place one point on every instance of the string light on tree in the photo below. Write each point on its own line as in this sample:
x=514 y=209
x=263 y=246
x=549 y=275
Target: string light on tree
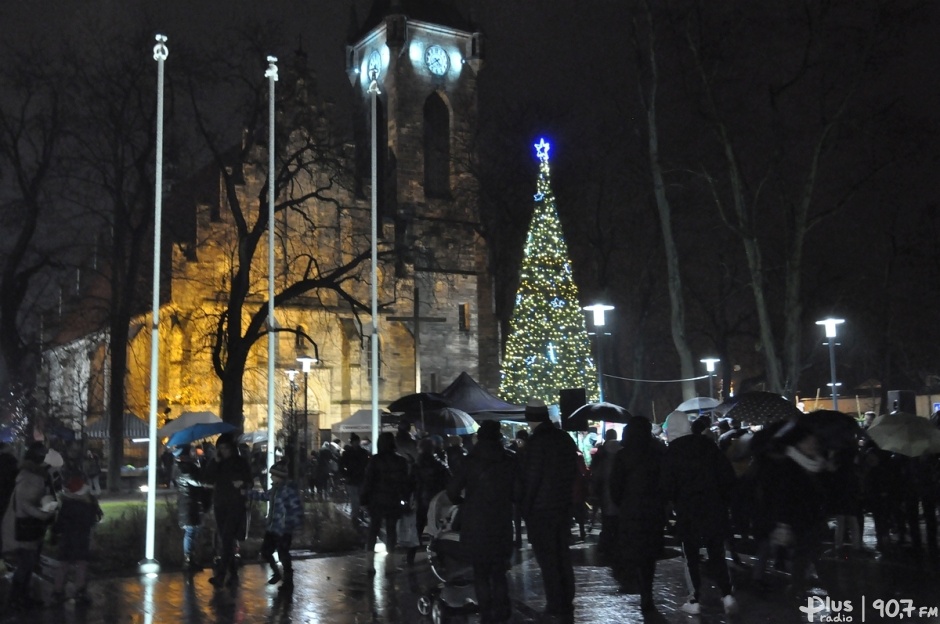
x=548 y=347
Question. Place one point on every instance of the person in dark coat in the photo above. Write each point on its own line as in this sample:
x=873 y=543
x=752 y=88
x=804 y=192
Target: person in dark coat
x=634 y=487
x=190 y=498
x=431 y=476
x=795 y=495
x=32 y=498
x=387 y=486
x=484 y=485
x=78 y=514
x=352 y=464
x=697 y=478
x=230 y=476
x=8 y=471
x=547 y=473
x=601 y=467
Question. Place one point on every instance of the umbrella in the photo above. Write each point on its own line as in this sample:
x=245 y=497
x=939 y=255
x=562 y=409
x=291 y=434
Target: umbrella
x=607 y=412
x=415 y=403
x=761 y=408
x=187 y=419
x=698 y=404
x=254 y=437
x=198 y=432
x=834 y=430
x=448 y=421
x=906 y=434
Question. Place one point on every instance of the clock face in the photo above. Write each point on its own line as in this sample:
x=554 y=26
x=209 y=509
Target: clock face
x=437 y=60
x=373 y=64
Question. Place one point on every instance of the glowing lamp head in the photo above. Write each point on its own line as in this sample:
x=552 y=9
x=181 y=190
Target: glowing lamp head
x=306 y=362
x=710 y=364
x=830 y=325
x=291 y=373
x=598 y=309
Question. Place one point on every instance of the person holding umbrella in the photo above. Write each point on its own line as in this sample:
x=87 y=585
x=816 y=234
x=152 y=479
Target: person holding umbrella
x=230 y=476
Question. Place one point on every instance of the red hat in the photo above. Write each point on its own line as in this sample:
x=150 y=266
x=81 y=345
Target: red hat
x=75 y=484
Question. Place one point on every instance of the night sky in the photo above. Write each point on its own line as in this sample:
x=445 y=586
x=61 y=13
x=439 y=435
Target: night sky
x=569 y=71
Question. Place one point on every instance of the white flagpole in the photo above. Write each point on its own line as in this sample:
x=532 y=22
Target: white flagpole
x=374 y=91
x=149 y=565
x=271 y=75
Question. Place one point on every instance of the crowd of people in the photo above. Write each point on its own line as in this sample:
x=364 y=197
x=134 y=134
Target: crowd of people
x=706 y=483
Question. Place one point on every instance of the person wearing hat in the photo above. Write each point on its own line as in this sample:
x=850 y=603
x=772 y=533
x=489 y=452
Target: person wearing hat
x=230 y=476
x=285 y=515
x=32 y=507
x=485 y=485
x=547 y=471
x=78 y=514
x=190 y=499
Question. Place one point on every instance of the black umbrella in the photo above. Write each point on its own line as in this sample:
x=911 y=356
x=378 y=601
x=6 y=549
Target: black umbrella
x=760 y=408
x=415 y=403
x=834 y=430
x=607 y=412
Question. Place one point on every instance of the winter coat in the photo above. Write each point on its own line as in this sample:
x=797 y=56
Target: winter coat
x=548 y=468
x=431 y=476
x=387 y=485
x=484 y=485
x=353 y=464
x=191 y=494
x=791 y=496
x=634 y=486
x=31 y=486
x=601 y=467
x=222 y=474
x=78 y=514
x=91 y=466
x=697 y=478
x=286 y=511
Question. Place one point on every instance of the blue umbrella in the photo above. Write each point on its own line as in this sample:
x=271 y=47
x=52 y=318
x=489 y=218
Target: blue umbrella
x=198 y=432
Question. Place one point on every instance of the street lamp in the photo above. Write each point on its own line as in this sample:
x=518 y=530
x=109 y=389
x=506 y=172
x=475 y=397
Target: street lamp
x=599 y=309
x=306 y=362
x=271 y=74
x=292 y=434
x=710 y=368
x=830 y=324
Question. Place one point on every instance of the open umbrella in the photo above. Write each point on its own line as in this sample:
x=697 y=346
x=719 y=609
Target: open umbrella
x=415 y=403
x=448 y=421
x=187 y=419
x=608 y=412
x=198 y=432
x=698 y=404
x=254 y=437
x=760 y=408
x=906 y=434
x=834 y=430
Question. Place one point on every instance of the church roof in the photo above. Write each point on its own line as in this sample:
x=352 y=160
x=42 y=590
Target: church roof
x=441 y=12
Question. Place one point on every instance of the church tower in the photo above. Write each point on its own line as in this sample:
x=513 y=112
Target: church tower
x=425 y=57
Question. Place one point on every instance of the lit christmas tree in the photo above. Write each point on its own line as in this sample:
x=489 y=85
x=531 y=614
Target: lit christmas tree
x=548 y=347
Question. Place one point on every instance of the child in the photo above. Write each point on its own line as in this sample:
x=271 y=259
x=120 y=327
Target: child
x=285 y=514
x=77 y=515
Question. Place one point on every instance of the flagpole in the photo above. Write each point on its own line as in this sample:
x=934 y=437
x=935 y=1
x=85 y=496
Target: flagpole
x=271 y=75
x=149 y=565
x=374 y=92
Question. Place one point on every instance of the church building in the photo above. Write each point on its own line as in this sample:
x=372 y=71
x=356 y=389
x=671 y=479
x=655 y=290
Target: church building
x=436 y=294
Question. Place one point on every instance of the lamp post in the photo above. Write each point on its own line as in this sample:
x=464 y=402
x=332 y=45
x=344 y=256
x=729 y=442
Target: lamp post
x=291 y=375
x=710 y=368
x=149 y=565
x=374 y=93
x=599 y=309
x=830 y=324
x=306 y=362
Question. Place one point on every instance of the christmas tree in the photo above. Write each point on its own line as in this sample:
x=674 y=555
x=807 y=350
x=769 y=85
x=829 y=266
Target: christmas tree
x=548 y=347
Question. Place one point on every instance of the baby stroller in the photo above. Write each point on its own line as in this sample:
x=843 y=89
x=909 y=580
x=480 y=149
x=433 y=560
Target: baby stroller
x=446 y=554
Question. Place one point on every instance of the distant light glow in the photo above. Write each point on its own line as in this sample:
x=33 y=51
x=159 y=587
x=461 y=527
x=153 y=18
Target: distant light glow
x=709 y=364
x=598 y=309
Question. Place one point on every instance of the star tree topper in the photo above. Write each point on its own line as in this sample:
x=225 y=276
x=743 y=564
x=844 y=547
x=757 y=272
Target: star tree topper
x=541 y=150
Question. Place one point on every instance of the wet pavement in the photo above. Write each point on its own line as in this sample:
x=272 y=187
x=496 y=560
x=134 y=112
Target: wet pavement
x=338 y=589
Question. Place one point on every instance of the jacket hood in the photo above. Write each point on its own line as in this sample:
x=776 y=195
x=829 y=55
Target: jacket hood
x=677 y=425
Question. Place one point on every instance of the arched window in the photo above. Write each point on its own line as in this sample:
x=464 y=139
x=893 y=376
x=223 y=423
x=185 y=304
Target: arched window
x=436 y=147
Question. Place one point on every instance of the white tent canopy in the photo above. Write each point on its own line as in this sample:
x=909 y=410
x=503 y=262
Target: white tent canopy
x=361 y=422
